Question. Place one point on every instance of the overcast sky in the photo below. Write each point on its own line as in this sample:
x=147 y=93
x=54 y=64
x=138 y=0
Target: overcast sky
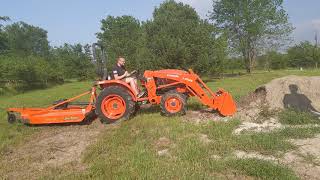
x=77 y=21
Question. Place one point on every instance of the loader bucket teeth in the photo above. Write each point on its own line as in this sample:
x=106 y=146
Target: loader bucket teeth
x=227 y=106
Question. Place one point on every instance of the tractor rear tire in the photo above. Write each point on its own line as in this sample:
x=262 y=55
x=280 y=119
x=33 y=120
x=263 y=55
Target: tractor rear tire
x=114 y=103
x=173 y=104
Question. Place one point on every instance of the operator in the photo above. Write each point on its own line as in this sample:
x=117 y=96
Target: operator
x=120 y=73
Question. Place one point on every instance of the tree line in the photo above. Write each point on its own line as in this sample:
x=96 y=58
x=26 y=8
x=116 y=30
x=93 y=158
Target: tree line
x=28 y=61
x=243 y=34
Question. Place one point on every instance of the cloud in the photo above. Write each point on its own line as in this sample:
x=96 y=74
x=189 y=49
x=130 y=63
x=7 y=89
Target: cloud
x=316 y=24
x=201 y=6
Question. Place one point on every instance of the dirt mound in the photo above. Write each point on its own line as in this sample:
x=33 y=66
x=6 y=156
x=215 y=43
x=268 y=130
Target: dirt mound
x=298 y=92
x=252 y=106
x=294 y=91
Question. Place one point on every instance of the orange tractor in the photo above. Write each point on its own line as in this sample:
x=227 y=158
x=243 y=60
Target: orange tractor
x=168 y=88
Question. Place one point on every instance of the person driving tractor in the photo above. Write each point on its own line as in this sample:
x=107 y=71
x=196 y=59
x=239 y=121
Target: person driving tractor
x=120 y=73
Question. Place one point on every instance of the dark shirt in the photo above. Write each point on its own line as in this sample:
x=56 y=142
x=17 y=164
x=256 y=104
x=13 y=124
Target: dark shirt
x=118 y=70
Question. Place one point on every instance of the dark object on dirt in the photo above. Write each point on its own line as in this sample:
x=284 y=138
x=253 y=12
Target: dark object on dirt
x=297 y=101
x=11 y=118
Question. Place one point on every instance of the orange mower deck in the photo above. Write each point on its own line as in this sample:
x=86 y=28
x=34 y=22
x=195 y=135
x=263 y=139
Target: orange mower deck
x=59 y=113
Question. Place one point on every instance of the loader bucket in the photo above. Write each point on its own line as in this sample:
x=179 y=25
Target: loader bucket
x=225 y=103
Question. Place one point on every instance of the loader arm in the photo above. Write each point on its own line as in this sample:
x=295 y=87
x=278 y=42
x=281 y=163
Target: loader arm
x=220 y=101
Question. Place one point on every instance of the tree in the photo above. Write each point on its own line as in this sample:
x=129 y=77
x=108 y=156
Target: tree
x=120 y=36
x=303 y=55
x=3 y=37
x=73 y=61
x=26 y=39
x=178 y=38
x=275 y=60
x=251 y=25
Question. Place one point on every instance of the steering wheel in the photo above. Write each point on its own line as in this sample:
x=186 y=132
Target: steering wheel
x=133 y=73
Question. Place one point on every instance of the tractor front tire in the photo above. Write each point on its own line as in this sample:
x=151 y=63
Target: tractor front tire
x=173 y=104
x=114 y=103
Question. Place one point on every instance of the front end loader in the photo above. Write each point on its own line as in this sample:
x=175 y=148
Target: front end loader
x=171 y=89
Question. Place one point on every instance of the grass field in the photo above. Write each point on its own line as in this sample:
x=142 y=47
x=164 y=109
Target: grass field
x=131 y=151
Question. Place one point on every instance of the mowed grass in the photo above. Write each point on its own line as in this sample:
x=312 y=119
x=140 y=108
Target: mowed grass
x=131 y=151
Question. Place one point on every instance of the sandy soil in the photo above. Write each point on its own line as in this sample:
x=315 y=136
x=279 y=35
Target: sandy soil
x=53 y=146
x=305 y=161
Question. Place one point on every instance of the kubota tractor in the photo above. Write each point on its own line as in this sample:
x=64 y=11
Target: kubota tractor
x=168 y=88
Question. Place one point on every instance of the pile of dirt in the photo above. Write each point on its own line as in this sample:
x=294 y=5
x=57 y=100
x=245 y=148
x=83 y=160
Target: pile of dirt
x=298 y=92
x=252 y=106
x=294 y=91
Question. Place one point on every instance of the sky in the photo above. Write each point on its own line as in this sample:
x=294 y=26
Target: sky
x=77 y=21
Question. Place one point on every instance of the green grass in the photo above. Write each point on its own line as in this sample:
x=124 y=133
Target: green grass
x=293 y=117
x=262 y=169
x=130 y=151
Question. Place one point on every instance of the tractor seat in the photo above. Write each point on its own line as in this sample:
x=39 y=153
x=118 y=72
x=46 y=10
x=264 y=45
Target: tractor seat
x=110 y=76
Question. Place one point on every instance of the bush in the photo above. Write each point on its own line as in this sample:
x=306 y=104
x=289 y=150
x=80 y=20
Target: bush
x=27 y=72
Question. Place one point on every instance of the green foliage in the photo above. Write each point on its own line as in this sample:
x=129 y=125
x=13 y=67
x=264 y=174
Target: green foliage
x=3 y=37
x=233 y=64
x=178 y=38
x=121 y=37
x=25 y=39
x=27 y=72
x=252 y=25
x=28 y=62
x=304 y=55
x=73 y=61
x=273 y=60
x=175 y=38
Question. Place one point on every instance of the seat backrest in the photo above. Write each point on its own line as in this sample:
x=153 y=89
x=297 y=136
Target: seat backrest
x=110 y=76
